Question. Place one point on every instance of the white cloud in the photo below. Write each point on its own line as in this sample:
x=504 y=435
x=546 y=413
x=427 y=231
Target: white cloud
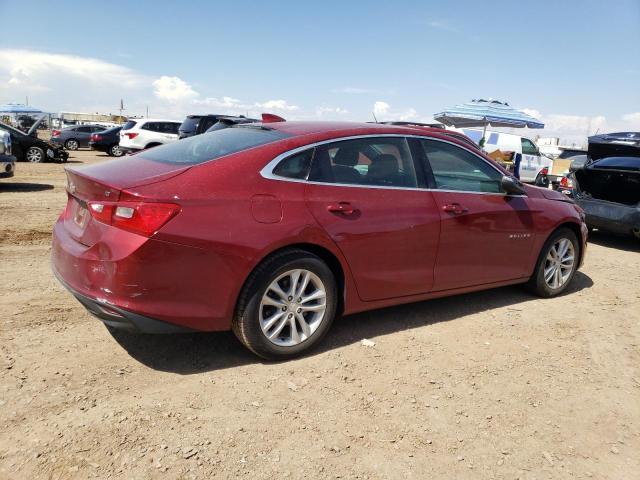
x=173 y=89
x=383 y=112
x=381 y=108
x=232 y=105
x=277 y=105
x=327 y=113
x=633 y=120
x=29 y=69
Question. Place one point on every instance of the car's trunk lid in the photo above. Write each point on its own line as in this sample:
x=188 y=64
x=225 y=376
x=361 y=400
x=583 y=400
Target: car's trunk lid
x=106 y=182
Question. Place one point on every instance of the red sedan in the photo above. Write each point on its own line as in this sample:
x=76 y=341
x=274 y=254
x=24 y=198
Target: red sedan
x=273 y=229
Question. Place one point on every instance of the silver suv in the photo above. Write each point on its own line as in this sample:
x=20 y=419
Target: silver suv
x=7 y=161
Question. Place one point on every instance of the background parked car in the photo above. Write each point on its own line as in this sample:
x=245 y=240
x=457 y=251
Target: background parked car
x=107 y=141
x=226 y=122
x=7 y=161
x=143 y=133
x=533 y=163
x=559 y=173
x=28 y=147
x=73 y=138
x=197 y=124
x=607 y=183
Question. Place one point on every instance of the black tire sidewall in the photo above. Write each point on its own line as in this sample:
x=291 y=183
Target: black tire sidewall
x=537 y=282
x=248 y=313
x=42 y=154
x=110 y=152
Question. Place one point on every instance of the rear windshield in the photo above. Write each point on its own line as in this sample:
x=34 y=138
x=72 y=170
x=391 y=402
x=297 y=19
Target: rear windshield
x=129 y=125
x=201 y=148
x=571 y=153
x=190 y=124
x=112 y=130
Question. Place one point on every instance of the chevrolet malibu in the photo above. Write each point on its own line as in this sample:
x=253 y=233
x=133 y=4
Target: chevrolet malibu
x=273 y=229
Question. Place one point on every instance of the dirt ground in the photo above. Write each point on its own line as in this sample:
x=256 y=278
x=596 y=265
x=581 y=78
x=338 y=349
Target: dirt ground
x=495 y=384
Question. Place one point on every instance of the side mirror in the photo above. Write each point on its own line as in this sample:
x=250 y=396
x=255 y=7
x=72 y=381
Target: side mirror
x=578 y=163
x=512 y=186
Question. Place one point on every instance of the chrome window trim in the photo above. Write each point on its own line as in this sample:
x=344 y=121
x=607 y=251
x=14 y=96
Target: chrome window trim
x=267 y=170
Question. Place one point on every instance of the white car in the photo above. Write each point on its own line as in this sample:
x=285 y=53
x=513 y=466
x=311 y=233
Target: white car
x=532 y=163
x=142 y=133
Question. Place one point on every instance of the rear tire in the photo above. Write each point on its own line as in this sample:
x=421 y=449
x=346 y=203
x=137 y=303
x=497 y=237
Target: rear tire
x=114 y=151
x=71 y=144
x=556 y=265
x=283 y=325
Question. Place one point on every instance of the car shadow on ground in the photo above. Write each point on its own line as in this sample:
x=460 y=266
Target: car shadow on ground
x=24 y=187
x=628 y=243
x=188 y=354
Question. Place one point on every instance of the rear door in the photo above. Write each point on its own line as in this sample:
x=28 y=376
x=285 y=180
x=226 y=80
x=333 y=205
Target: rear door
x=83 y=134
x=486 y=236
x=365 y=193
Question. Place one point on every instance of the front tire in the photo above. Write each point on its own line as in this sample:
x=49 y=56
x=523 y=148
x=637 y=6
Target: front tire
x=71 y=144
x=34 y=155
x=557 y=264
x=286 y=306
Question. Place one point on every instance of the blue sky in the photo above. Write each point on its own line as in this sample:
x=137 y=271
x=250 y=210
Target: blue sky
x=572 y=63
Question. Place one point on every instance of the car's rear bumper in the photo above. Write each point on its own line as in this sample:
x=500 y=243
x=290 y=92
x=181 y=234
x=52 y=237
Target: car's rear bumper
x=133 y=280
x=610 y=216
x=122 y=319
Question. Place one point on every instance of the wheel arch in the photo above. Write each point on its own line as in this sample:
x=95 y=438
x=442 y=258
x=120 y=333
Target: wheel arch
x=575 y=228
x=326 y=255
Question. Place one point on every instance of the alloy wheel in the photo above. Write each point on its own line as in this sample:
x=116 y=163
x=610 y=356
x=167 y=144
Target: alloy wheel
x=559 y=263
x=292 y=307
x=34 y=155
x=72 y=145
x=115 y=151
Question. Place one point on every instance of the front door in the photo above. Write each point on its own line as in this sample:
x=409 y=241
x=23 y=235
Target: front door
x=364 y=193
x=486 y=236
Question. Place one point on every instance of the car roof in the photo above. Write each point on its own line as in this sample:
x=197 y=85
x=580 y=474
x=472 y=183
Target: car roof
x=299 y=128
x=144 y=120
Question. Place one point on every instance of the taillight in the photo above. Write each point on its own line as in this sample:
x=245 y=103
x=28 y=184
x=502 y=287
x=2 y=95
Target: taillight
x=131 y=135
x=96 y=138
x=544 y=171
x=55 y=133
x=566 y=182
x=138 y=217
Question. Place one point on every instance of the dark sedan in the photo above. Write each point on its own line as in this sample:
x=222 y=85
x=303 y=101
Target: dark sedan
x=107 y=141
x=28 y=147
x=72 y=138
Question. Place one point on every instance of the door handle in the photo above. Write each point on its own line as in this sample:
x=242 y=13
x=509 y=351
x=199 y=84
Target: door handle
x=454 y=208
x=341 y=207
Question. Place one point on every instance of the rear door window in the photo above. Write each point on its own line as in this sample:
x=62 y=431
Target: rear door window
x=455 y=168
x=380 y=161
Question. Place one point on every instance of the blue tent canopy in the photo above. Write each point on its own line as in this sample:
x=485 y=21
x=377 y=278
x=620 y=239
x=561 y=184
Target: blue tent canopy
x=480 y=113
x=18 y=108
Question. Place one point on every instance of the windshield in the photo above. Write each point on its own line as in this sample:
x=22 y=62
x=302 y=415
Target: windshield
x=210 y=146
